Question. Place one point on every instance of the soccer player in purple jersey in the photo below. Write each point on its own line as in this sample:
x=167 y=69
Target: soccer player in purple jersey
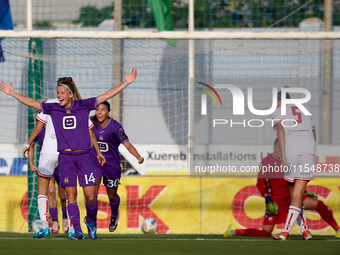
x=110 y=134
x=48 y=161
x=70 y=119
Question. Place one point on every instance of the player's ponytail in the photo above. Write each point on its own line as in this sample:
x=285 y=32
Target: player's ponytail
x=94 y=120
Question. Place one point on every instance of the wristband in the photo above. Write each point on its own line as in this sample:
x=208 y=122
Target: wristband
x=268 y=199
x=27 y=145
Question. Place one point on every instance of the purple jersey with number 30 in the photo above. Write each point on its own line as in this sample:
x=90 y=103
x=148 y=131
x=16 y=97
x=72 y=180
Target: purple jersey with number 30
x=71 y=124
x=109 y=138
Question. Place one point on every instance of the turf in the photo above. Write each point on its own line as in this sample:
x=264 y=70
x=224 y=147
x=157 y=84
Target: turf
x=12 y=243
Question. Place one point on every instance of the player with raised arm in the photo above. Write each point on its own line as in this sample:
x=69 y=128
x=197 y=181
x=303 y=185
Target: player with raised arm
x=48 y=161
x=298 y=153
x=70 y=119
x=110 y=134
x=274 y=188
x=38 y=133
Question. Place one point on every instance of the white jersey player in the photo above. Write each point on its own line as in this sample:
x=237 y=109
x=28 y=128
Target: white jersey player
x=296 y=134
x=48 y=159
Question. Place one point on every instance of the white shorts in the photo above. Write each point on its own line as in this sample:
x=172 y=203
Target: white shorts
x=47 y=163
x=301 y=168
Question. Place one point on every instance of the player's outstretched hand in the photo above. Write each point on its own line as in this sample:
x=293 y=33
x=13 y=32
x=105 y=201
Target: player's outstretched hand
x=131 y=77
x=101 y=159
x=140 y=160
x=9 y=90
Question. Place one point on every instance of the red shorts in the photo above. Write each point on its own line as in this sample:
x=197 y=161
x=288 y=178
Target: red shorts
x=281 y=215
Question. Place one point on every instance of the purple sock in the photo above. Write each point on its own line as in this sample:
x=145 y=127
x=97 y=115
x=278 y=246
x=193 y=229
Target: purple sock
x=73 y=212
x=95 y=217
x=115 y=205
x=91 y=211
x=54 y=213
x=64 y=212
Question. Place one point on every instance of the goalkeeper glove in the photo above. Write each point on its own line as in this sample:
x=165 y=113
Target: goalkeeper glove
x=311 y=194
x=272 y=207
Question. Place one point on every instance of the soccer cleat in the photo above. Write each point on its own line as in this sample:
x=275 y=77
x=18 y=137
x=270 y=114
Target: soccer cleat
x=65 y=226
x=113 y=223
x=69 y=235
x=306 y=235
x=228 y=232
x=78 y=235
x=337 y=234
x=91 y=228
x=44 y=232
x=281 y=236
x=55 y=227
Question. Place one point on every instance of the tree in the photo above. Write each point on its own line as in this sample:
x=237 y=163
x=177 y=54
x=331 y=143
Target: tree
x=214 y=13
x=43 y=24
x=91 y=16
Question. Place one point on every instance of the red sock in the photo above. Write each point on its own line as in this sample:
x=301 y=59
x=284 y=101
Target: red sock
x=327 y=215
x=252 y=232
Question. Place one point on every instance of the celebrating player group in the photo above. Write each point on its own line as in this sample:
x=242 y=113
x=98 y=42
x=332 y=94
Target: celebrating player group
x=77 y=148
x=67 y=148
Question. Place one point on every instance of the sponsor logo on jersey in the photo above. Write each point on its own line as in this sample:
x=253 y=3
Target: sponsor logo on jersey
x=69 y=122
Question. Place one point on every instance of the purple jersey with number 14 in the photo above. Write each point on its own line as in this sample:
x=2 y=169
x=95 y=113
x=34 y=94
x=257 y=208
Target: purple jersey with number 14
x=71 y=124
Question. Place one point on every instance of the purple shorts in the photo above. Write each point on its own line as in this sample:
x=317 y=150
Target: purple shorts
x=99 y=171
x=111 y=177
x=56 y=177
x=73 y=164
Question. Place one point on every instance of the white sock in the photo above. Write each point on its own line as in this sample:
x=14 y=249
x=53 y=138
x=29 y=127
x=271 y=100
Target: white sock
x=301 y=220
x=293 y=213
x=43 y=210
x=70 y=225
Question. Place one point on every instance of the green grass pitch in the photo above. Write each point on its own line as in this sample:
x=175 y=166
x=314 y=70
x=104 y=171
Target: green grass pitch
x=117 y=244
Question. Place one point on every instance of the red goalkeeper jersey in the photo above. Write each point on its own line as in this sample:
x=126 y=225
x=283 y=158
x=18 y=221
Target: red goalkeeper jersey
x=270 y=179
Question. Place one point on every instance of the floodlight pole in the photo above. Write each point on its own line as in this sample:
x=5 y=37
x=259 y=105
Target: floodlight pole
x=191 y=92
